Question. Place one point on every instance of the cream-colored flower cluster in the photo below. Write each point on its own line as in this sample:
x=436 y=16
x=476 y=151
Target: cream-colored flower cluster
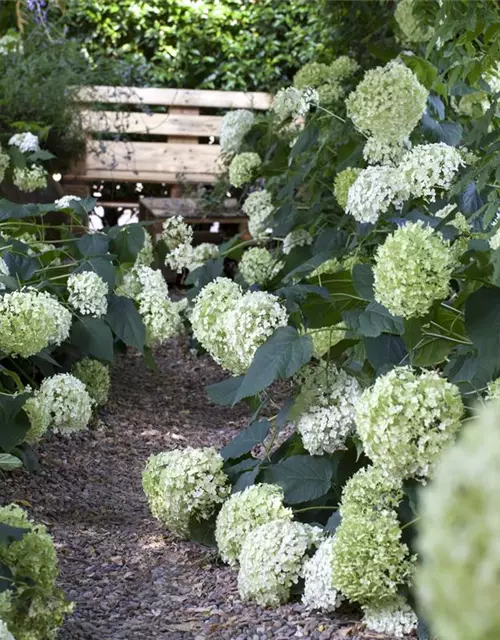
x=459 y=221
x=406 y=420
x=375 y=190
x=26 y=142
x=231 y=325
x=324 y=338
x=95 y=376
x=29 y=179
x=62 y=403
x=243 y=168
x=258 y=266
x=66 y=202
x=31 y=320
x=5 y=634
x=4 y=163
x=296 y=238
x=258 y=207
x=395 y=618
x=245 y=511
x=319 y=590
x=234 y=127
x=145 y=256
x=178 y=238
x=88 y=294
x=4 y=271
x=414 y=254
x=428 y=167
x=327 y=402
x=186 y=484
x=272 y=559
x=290 y=103
x=458 y=543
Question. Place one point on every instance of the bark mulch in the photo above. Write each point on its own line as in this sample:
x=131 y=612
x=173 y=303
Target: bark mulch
x=129 y=579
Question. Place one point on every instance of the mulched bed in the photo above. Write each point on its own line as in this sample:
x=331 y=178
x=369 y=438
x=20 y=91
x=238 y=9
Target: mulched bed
x=130 y=579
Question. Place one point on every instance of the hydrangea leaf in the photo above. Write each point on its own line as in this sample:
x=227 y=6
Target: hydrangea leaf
x=8 y=462
x=15 y=423
x=224 y=393
x=93 y=337
x=246 y=439
x=125 y=321
x=362 y=278
x=127 y=241
x=386 y=351
x=303 y=478
x=482 y=319
x=373 y=321
x=93 y=244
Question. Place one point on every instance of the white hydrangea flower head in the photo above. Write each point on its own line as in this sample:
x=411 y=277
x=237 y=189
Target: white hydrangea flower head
x=243 y=512
x=234 y=127
x=375 y=190
x=180 y=258
x=25 y=142
x=30 y=179
x=458 y=543
x=272 y=559
x=388 y=103
x=249 y=323
x=208 y=316
x=324 y=338
x=176 y=232
x=370 y=561
x=328 y=267
x=343 y=182
x=493 y=390
x=378 y=151
x=292 y=103
x=95 y=376
x=145 y=256
x=4 y=271
x=410 y=26
x=494 y=240
x=243 y=168
x=62 y=403
x=66 y=202
x=492 y=77
x=342 y=68
x=4 y=163
x=473 y=105
x=328 y=400
x=203 y=252
x=296 y=238
x=395 y=618
x=88 y=293
x=258 y=207
x=31 y=320
x=413 y=252
x=5 y=634
x=184 y=484
x=460 y=222
x=428 y=167
x=319 y=589
x=258 y=266
x=407 y=419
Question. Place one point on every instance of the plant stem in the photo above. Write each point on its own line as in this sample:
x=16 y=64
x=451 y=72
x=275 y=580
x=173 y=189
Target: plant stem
x=315 y=508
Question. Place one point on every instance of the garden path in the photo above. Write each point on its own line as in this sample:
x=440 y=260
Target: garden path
x=130 y=579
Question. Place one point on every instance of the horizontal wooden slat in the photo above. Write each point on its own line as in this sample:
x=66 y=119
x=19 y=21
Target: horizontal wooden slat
x=119 y=175
x=116 y=204
x=189 y=208
x=175 y=97
x=159 y=124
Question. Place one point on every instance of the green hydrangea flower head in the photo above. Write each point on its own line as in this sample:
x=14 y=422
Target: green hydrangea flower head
x=410 y=256
x=183 y=484
x=243 y=168
x=29 y=179
x=312 y=74
x=343 y=182
x=36 y=609
x=388 y=102
x=406 y=420
x=95 y=376
x=458 y=543
x=411 y=27
x=4 y=163
x=243 y=512
x=258 y=266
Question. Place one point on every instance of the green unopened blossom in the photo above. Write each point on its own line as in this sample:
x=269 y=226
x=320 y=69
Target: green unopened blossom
x=31 y=320
x=370 y=561
x=184 y=484
x=243 y=168
x=430 y=167
x=388 y=103
x=378 y=151
x=35 y=609
x=395 y=618
x=458 y=542
x=405 y=421
x=88 y=293
x=326 y=79
x=30 y=179
x=319 y=588
x=411 y=27
x=272 y=559
x=234 y=127
x=474 y=105
x=62 y=403
x=414 y=254
x=243 y=512
x=4 y=163
x=312 y=74
x=258 y=266
x=343 y=182
x=325 y=338
x=95 y=376
x=258 y=207
x=296 y=238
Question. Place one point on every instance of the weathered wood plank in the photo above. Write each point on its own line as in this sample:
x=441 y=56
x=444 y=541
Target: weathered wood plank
x=120 y=175
x=175 y=97
x=190 y=208
x=158 y=124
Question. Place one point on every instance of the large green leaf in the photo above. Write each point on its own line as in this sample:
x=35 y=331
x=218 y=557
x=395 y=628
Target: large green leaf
x=126 y=322
x=224 y=393
x=372 y=321
x=93 y=244
x=127 y=241
x=93 y=337
x=303 y=478
x=279 y=357
x=14 y=423
x=246 y=440
x=385 y=352
x=10 y=534
x=362 y=277
x=100 y=265
x=482 y=319
x=9 y=462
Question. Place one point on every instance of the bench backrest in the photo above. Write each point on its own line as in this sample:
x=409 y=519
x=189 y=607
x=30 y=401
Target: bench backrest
x=189 y=153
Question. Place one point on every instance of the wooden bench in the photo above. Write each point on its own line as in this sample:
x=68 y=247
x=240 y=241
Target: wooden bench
x=183 y=149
